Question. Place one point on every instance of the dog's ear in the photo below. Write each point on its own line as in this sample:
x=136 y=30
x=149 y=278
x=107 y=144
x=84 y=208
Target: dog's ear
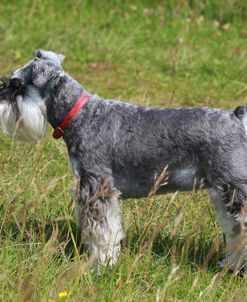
x=42 y=73
x=56 y=58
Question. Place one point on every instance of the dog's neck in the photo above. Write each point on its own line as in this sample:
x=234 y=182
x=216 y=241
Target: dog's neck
x=65 y=93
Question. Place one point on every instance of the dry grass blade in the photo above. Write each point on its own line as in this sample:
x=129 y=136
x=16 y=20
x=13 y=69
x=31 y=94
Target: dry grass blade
x=159 y=181
x=172 y=277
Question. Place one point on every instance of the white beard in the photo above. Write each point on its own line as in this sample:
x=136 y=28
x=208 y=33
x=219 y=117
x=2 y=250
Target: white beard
x=32 y=124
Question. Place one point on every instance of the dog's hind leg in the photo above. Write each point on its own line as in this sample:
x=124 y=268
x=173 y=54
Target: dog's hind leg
x=99 y=218
x=234 y=237
x=229 y=197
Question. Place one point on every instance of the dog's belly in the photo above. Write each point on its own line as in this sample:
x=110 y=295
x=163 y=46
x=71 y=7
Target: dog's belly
x=183 y=179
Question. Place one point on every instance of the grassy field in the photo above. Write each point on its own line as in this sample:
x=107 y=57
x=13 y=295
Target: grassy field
x=153 y=53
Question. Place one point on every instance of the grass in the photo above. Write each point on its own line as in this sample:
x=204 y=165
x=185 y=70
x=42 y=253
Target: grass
x=154 y=53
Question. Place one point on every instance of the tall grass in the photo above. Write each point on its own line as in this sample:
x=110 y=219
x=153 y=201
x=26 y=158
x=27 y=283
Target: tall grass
x=154 y=53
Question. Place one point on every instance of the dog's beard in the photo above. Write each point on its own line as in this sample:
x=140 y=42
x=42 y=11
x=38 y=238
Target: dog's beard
x=26 y=119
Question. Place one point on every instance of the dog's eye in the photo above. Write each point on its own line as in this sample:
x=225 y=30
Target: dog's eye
x=15 y=82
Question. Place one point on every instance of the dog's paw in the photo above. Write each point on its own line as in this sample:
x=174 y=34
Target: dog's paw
x=221 y=264
x=232 y=268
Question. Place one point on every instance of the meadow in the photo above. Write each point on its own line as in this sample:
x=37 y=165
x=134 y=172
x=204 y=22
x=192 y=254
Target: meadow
x=151 y=53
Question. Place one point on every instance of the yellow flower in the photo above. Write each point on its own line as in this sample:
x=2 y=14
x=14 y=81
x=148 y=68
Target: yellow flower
x=63 y=294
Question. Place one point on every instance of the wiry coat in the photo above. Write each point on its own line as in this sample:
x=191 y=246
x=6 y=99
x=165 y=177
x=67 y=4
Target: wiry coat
x=117 y=148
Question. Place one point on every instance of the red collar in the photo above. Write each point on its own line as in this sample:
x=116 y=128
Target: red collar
x=59 y=131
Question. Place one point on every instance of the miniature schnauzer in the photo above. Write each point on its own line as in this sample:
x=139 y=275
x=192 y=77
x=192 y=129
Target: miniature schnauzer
x=117 y=149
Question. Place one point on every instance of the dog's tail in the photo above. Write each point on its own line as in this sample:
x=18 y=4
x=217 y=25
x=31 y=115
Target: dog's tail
x=241 y=113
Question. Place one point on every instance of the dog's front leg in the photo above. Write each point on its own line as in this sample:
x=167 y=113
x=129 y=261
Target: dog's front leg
x=99 y=218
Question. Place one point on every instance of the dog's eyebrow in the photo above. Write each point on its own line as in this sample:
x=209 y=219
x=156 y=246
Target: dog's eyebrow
x=55 y=58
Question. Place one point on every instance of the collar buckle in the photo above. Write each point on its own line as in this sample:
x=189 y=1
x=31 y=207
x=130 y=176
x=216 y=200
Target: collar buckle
x=58 y=132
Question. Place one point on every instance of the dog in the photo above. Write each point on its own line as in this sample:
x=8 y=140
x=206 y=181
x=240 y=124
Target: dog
x=116 y=148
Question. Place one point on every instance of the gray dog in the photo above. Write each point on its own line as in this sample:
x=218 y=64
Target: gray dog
x=117 y=148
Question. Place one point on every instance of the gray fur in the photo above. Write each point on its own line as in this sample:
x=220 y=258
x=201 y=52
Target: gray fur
x=122 y=147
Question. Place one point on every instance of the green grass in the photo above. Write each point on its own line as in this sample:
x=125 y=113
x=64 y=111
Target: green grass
x=154 y=53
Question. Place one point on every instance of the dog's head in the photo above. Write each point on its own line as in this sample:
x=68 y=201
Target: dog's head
x=23 y=96
x=41 y=70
